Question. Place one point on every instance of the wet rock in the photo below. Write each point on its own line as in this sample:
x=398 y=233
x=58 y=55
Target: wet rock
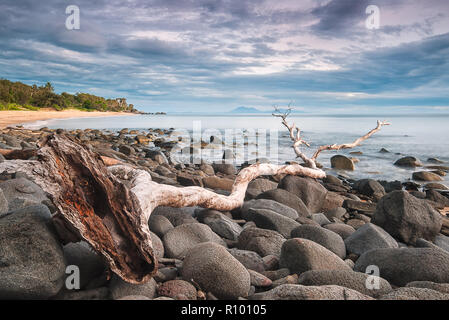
x=369 y=237
x=426 y=176
x=301 y=255
x=407 y=218
x=435 y=185
x=184 y=237
x=408 y=162
x=216 y=271
x=341 y=162
x=32 y=264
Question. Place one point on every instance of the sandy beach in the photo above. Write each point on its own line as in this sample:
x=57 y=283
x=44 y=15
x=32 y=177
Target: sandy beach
x=8 y=118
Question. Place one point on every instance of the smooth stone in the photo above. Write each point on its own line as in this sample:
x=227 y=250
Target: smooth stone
x=158 y=246
x=32 y=264
x=160 y=225
x=370 y=188
x=220 y=224
x=400 y=266
x=286 y=198
x=258 y=279
x=406 y=217
x=408 y=162
x=269 y=205
x=440 y=287
x=186 y=236
x=341 y=162
x=120 y=288
x=308 y=190
x=369 y=237
x=348 y=279
x=300 y=292
x=90 y=264
x=21 y=193
x=267 y=219
x=301 y=255
x=215 y=270
x=327 y=238
x=264 y=242
x=426 y=176
x=249 y=259
x=343 y=230
x=412 y=293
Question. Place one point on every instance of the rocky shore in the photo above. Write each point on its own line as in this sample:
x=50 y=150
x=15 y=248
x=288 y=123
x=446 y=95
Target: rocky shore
x=294 y=238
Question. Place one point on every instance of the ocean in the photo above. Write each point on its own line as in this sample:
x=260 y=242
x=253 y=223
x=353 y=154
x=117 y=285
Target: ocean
x=423 y=136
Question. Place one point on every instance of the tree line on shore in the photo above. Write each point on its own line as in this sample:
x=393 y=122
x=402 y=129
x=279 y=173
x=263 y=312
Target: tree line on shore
x=20 y=96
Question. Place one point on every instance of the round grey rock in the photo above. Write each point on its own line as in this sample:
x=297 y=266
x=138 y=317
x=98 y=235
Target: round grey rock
x=301 y=255
x=327 y=238
x=216 y=271
x=186 y=236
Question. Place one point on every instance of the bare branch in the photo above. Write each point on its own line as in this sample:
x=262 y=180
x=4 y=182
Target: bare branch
x=380 y=124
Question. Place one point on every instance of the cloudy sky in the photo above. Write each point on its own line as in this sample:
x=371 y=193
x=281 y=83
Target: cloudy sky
x=216 y=55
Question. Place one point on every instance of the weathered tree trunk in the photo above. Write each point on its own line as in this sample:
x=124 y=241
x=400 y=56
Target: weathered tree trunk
x=94 y=205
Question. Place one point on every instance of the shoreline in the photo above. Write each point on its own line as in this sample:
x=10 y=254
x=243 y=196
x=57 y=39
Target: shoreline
x=15 y=117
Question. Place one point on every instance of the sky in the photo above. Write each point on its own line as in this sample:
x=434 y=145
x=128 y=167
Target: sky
x=216 y=55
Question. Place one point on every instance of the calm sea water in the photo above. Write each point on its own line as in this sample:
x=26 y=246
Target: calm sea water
x=420 y=136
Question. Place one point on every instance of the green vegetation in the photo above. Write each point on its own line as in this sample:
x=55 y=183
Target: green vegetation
x=19 y=96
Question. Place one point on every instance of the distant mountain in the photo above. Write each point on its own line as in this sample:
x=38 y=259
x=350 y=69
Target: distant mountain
x=246 y=110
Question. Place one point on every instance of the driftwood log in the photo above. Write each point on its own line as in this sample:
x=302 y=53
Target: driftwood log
x=108 y=204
